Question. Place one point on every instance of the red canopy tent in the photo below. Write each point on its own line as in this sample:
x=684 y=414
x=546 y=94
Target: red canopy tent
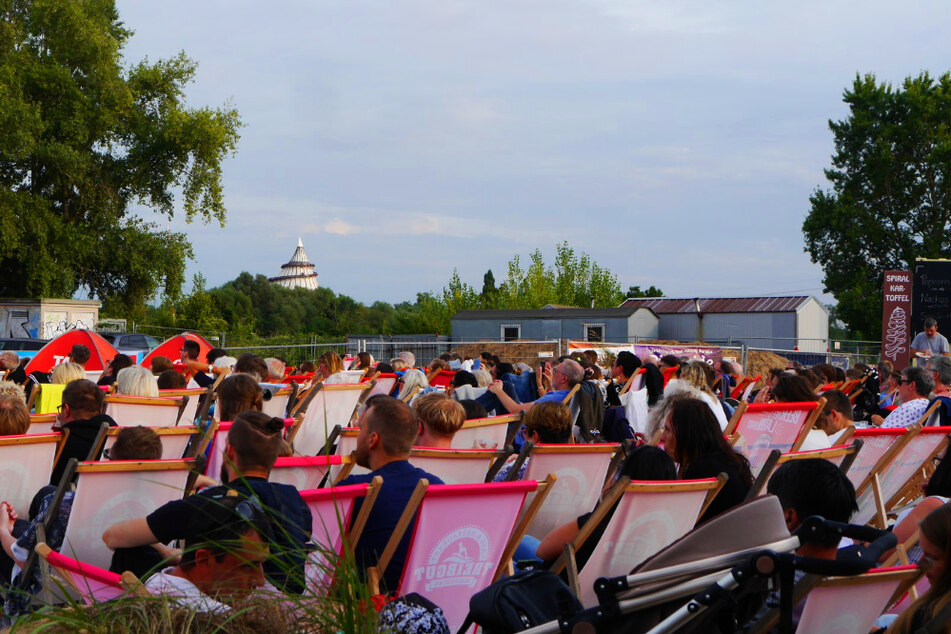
x=56 y=351
x=171 y=348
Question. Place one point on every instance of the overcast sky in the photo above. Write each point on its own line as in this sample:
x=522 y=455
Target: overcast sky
x=675 y=142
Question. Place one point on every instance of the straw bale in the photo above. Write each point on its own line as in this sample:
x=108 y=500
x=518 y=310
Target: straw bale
x=512 y=352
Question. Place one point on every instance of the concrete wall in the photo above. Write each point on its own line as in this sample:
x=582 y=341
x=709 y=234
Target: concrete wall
x=46 y=318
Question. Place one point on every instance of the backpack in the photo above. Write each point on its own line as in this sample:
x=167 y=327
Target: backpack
x=520 y=602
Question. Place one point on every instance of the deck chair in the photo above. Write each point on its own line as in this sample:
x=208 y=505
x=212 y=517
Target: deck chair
x=41 y=424
x=875 y=444
x=846 y=604
x=763 y=427
x=648 y=517
x=25 y=465
x=385 y=382
x=149 y=411
x=216 y=440
x=458 y=466
x=581 y=471
x=332 y=511
x=841 y=455
x=277 y=404
x=190 y=411
x=457 y=548
x=47 y=397
x=343 y=378
x=440 y=378
x=898 y=474
x=111 y=492
x=346 y=445
x=91 y=583
x=174 y=440
x=740 y=388
x=324 y=407
x=304 y=473
x=493 y=432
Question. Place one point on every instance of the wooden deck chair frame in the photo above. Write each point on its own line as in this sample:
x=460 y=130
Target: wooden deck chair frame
x=776 y=459
x=210 y=397
x=509 y=420
x=495 y=458
x=375 y=573
x=156 y=401
x=807 y=425
x=911 y=490
x=906 y=576
x=406 y=398
x=128 y=581
x=630 y=382
x=571 y=394
x=305 y=403
x=566 y=561
x=191 y=431
x=191 y=393
x=348 y=462
x=887 y=395
x=31 y=400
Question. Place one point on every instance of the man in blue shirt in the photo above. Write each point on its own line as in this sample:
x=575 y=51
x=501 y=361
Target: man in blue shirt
x=562 y=377
x=388 y=429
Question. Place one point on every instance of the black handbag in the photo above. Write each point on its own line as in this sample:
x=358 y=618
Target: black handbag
x=520 y=602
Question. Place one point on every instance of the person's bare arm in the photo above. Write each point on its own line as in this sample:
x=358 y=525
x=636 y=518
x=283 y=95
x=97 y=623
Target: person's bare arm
x=7 y=540
x=554 y=542
x=496 y=388
x=129 y=534
x=907 y=527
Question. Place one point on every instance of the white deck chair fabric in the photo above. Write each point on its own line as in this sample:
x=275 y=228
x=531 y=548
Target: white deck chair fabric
x=347 y=376
x=649 y=517
x=764 y=427
x=384 y=385
x=875 y=443
x=142 y=410
x=174 y=440
x=41 y=424
x=346 y=444
x=453 y=466
x=303 y=473
x=634 y=402
x=332 y=405
x=481 y=434
x=580 y=469
x=25 y=466
x=276 y=406
x=105 y=495
x=191 y=408
x=331 y=510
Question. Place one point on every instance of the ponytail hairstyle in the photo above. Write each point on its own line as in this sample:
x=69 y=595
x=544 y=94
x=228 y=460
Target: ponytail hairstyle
x=256 y=439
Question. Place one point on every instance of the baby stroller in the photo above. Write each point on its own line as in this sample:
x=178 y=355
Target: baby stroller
x=716 y=577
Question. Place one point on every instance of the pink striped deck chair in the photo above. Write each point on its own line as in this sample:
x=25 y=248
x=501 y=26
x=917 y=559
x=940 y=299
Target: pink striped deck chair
x=325 y=407
x=763 y=427
x=346 y=445
x=836 y=605
x=149 y=411
x=111 y=492
x=875 y=444
x=841 y=455
x=190 y=411
x=457 y=466
x=174 y=440
x=25 y=465
x=649 y=517
x=276 y=406
x=41 y=424
x=485 y=433
x=332 y=510
x=457 y=547
x=385 y=382
x=90 y=583
x=889 y=480
x=303 y=472
x=581 y=471
x=218 y=440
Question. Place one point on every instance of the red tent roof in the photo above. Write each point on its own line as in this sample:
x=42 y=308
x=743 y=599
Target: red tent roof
x=56 y=351
x=171 y=348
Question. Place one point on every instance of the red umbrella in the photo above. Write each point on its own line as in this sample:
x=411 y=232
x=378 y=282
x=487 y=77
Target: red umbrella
x=171 y=348
x=57 y=350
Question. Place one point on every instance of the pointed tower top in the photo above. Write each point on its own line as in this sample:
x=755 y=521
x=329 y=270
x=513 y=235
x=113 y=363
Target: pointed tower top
x=300 y=243
x=299 y=272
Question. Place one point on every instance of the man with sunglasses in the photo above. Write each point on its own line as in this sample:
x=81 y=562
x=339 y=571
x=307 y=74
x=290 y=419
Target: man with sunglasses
x=914 y=387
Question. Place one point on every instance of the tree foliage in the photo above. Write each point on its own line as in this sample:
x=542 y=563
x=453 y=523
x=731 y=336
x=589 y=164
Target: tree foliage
x=890 y=196
x=634 y=292
x=83 y=140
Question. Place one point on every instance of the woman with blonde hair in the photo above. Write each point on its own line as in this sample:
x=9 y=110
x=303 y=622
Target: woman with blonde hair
x=136 y=381
x=328 y=364
x=67 y=372
x=694 y=377
x=410 y=380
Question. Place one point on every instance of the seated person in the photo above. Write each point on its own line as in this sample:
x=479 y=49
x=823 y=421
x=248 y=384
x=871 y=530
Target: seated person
x=239 y=393
x=914 y=388
x=562 y=378
x=275 y=370
x=643 y=463
x=253 y=443
x=226 y=546
x=118 y=362
x=19 y=538
x=253 y=365
x=388 y=429
x=836 y=416
x=473 y=409
x=136 y=381
x=81 y=414
x=440 y=418
x=161 y=364
x=171 y=380
x=14 y=417
x=545 y=423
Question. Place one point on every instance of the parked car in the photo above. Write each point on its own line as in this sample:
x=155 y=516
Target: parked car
x=134 y=344
x=25 y=348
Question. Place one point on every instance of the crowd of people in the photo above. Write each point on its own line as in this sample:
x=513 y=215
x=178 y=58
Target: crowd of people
x=239 y=533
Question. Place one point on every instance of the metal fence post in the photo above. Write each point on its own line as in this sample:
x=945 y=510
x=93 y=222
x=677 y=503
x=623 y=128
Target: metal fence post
x=744 y=355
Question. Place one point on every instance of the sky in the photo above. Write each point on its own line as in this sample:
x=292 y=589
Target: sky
x=677 y=143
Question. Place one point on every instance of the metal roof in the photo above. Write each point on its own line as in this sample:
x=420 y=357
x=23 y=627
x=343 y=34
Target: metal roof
x=550 y=313
x=668 y=305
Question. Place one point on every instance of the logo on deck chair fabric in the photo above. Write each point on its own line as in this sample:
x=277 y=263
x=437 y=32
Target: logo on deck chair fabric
x=461 y=558
x=571 y=484
x=643 y=537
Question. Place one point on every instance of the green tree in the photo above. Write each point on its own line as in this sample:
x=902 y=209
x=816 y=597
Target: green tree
x=83 y=140
x=489 y=298
x=634 y=292
x=890 y=196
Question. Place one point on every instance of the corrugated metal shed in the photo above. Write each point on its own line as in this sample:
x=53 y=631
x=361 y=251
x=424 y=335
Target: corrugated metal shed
x=667 y=305
x=548 y=313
